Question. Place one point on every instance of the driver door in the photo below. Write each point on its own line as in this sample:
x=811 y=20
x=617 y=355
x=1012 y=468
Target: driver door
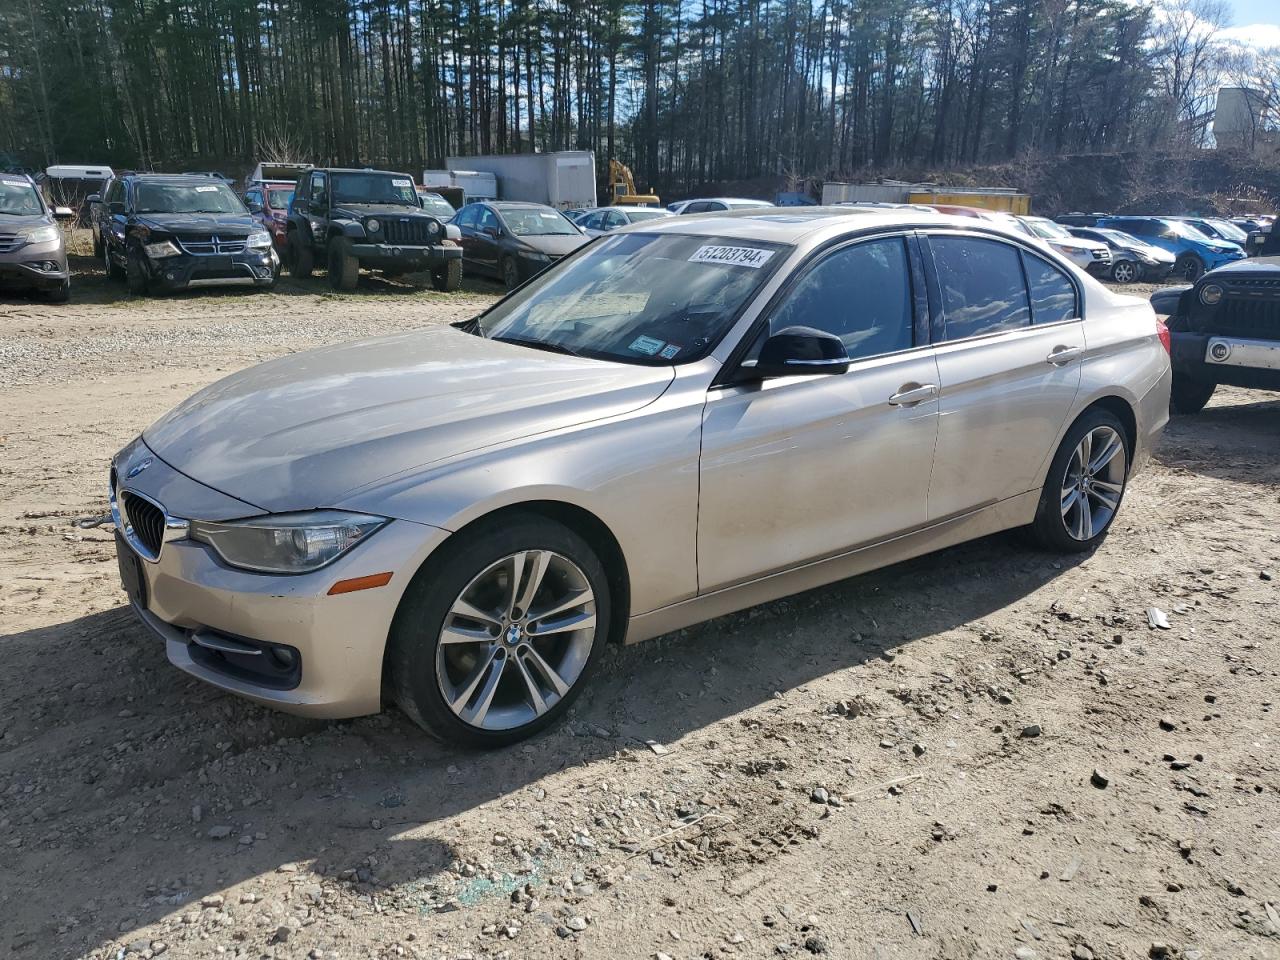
x=796 y=469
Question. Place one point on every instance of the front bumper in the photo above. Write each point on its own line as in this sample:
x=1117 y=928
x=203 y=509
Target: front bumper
x=39 y=265
x=252 y=268
x=1254 y=364
x=206 y=611
x=408 y=259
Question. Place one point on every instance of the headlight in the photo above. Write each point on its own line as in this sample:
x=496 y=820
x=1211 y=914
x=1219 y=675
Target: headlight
x=1067 y=251
x=1149 y=261
x=42 y=234
x=259 y=239
x=537 y=256
x=287 y=542
x=1210 y=294
x=373 y=226
x=157 y=251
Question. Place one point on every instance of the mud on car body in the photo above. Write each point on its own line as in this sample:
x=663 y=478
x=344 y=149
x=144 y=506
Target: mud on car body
x=167 y=232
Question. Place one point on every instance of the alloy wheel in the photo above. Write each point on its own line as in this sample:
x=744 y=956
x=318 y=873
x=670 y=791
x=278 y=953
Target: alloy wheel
x=1123 y=272
x=1094 y=483
x=516 y=640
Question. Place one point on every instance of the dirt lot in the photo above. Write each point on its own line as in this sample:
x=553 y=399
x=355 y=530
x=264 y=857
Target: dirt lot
x=983 y=753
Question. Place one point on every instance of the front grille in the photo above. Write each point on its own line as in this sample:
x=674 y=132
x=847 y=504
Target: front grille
x=11 y=241
x=1250 y=319
x=1102 y=255
x=147 y=521
x=409 y=232
x=211 y=245
x=1257 y=283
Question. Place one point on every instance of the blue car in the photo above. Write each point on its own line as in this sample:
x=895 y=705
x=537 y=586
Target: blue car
x=1195 y=252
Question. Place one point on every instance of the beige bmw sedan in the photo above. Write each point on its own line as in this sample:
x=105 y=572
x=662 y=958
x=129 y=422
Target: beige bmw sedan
x=682 y=419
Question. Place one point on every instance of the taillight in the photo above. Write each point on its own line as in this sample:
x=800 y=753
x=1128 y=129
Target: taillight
x=1166 y=340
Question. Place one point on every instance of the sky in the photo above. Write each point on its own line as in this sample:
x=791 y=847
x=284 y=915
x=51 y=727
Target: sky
x=1256 y=22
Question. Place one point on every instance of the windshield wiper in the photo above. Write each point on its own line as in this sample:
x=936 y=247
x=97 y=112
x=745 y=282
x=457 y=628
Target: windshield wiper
x=547 y=345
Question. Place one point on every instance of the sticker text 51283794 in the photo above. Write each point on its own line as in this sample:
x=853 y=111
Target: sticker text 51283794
x=752 y=257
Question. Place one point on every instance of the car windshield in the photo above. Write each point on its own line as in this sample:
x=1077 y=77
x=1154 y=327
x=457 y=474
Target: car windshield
x=1048 y=230
x=18 y=198
x=1228 y=230
x=388 y=188
x=1117 y=236
x=197 y=197
x=279 y=199
x=635 y=216
x=1188 y=232
x=438 y=206
x=534 y=221
x=637 y=298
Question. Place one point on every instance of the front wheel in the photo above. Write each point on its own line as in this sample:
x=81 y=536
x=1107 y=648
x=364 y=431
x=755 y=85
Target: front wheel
x=108 y=265
x=1086 y=483
x=449 y=277
x=1189 y=395
x=344 y=266
x=135 y=272
x=498 y=635
x=302 y=260
x=1189 y=267
x=510 y=273
x=1124 y=271
x=59 y=294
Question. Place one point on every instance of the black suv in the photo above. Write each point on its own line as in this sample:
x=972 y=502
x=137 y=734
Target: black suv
x=1224 y=329
x=164 y=232
x=350 y=219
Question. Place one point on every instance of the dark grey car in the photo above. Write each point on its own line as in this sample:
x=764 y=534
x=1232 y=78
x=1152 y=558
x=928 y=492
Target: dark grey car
x=33 y=252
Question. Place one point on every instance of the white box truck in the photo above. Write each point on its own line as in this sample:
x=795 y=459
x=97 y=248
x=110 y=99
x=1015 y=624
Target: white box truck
x=565 y=180
x=475 y=186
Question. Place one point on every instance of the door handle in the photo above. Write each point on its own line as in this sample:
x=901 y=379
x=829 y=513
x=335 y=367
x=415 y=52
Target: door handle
x=1060 y=355
x=910 y=396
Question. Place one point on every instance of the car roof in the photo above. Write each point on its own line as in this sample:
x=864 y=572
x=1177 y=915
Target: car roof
x=518 y=205
x=170 y=177
x=389 y=173
x=790 y=225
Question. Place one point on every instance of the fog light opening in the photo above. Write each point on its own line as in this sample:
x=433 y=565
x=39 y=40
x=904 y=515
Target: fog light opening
x=1219 y=351
x=284 y=657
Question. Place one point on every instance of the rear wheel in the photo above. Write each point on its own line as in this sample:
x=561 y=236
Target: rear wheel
x=449 y=277
x=1124 y=271
x=1189 y=395
x=302 y=261
x=498 y=635
x=1085 y=485
x=510 y=273
x=1189 y=267
x=344 y=268
x=113 y=272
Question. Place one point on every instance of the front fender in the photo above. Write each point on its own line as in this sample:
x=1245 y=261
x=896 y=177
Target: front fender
x=351 y=229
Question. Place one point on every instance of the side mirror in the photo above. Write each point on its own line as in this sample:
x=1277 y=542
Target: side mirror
x=254 y=206
x=63 y=213
x=799 y=352
x=93 y=198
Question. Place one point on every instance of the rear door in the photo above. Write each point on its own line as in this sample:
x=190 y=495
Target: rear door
x=801 y=468
x=1010 y=341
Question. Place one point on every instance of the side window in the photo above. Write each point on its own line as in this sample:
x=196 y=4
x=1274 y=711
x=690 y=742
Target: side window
x=488 y=219
x=861 y=293
x=594 y=222
x=1141 y=227
x=318 y=184
x=613 y=220
x=698 y=206
x=714 y=205
x=253 y=196
x=115 y=193
x=1053 y=295
x=983 y=290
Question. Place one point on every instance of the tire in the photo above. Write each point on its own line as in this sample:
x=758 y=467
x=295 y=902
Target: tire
x=1076 y=511
x=474 y=572
x=510 y=272
x=97 y=246
x=449 y=277
x=60 y=293
x=344 y=268
x=1124 y=271
x=1189 y=394
x=1189 y=267
x=113 y=271
x=302 y=259
x=135 y=274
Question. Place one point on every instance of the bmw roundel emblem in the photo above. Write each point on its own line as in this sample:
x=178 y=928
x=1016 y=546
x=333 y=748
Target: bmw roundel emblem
x=138 y=467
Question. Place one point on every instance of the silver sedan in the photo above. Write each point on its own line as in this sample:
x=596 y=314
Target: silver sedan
x=685 y=418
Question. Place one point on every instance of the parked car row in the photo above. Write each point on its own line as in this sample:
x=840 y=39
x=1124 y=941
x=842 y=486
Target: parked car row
x=1196 y=243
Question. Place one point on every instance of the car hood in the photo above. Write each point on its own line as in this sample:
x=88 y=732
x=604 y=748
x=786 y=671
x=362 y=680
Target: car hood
x=302 y=431
x=387 y=211
x=228 y=224
x=1155 y=253
x=556 y=245
x=1257 y=266
x=1075 y=243
x=9 y=221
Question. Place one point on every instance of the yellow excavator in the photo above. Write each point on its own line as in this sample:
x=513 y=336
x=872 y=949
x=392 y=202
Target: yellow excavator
x=624 y=188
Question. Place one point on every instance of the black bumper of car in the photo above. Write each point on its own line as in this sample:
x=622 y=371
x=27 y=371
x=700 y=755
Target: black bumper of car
x=384 y=256
x=1099 y=268
x=1188 y=355
x=252 y=268
x=1155 y=271
x=35 y=274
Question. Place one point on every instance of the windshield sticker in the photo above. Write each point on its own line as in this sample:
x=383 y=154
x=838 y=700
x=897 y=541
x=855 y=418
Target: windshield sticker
x=646 y=345
x=402 y=183
x=669 y=351
x=13 y=180
x=752 y=257
x=206 y=189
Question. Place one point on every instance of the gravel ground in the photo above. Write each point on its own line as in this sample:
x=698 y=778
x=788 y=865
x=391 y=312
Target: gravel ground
x=983 y=753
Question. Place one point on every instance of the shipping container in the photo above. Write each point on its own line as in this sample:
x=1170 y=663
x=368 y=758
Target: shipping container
x=898 y=191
